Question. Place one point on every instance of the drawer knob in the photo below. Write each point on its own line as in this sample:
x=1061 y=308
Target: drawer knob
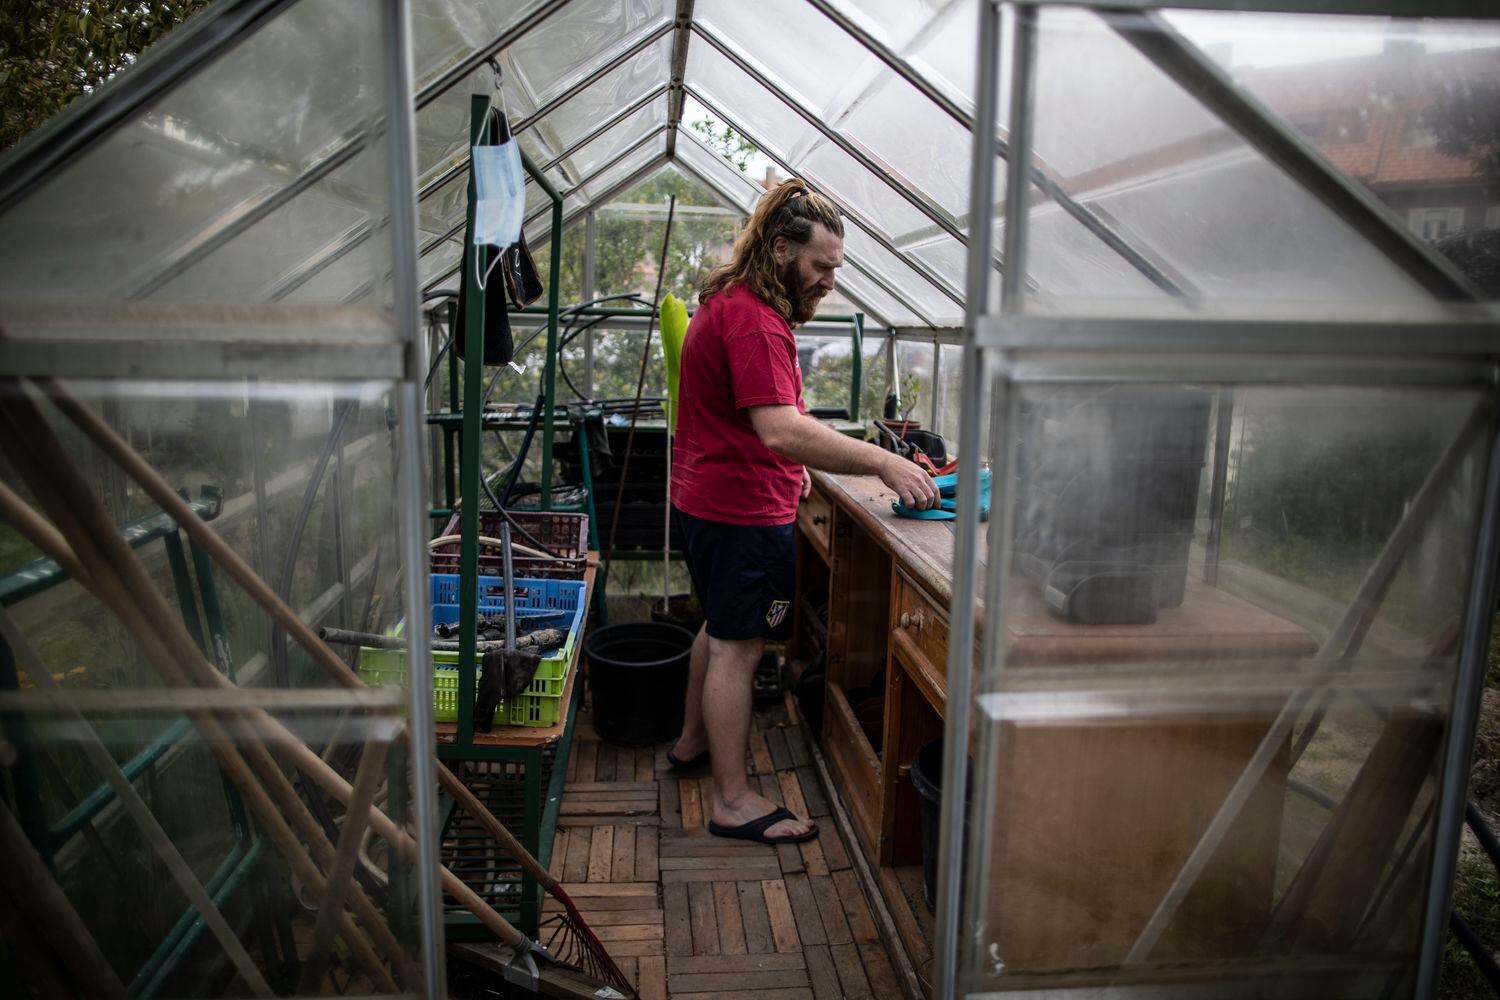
x=820 y=519
x=905 y=619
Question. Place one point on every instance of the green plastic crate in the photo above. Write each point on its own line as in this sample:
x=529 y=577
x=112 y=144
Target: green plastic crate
x=540 y=705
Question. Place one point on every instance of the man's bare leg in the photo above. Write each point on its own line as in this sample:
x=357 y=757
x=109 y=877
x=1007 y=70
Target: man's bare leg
x=726 y=716
x=694 y=738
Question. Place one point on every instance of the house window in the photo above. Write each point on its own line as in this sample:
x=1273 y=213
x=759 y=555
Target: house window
x=1418 y=133
x=1435 y=223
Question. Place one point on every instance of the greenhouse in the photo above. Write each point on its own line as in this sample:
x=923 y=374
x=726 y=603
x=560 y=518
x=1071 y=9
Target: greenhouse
x=647 y=499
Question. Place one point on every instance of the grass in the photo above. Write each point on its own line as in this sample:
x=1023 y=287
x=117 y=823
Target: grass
x=1476 y=887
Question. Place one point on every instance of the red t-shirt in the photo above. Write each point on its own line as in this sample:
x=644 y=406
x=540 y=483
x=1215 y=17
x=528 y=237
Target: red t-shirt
x=739 y=352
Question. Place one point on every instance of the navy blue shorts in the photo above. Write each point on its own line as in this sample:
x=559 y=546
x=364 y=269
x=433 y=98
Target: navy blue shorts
x=744 y=575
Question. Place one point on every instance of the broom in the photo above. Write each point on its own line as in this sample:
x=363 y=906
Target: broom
x=569 y=930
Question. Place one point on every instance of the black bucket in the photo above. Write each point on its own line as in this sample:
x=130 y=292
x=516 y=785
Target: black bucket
x=927 y=775
x=638 y=672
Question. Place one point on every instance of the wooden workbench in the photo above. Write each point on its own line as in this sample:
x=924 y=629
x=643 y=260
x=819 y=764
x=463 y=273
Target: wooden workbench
x=1090 y=823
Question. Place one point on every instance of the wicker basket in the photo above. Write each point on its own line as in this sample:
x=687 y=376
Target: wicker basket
x=565 y=534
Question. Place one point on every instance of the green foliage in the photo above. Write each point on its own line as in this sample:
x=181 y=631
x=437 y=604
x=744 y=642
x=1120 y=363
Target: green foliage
x=1466 y=122
x=911 y=391
x=53 y=51
x=728 y=143
x=1476 y=898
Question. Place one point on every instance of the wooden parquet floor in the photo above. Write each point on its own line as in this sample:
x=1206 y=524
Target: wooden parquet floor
x=696 y=917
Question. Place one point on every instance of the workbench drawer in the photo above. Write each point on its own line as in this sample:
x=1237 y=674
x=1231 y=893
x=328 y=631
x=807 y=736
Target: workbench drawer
x=815 y=519
x=924 y=627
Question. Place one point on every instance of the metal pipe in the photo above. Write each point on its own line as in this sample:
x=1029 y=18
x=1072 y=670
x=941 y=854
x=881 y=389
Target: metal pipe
x=683 y=34
x=549 y=417
x=1223 y=427
x=857 y=364
x=400 y=137
x=1458 y=750
x=960 y=666
x=589 y=263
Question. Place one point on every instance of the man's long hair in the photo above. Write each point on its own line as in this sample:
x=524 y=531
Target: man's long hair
x=790 y=209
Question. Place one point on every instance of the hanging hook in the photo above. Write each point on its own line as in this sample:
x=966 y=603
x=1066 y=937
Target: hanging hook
x=494 y=65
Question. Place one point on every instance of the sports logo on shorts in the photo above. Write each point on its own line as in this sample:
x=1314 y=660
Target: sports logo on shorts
x=777 y=614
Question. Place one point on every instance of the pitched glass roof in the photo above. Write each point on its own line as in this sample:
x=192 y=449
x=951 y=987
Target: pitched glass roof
x=256 y=177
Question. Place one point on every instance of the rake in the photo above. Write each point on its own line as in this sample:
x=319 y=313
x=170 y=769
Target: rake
x=567 y=936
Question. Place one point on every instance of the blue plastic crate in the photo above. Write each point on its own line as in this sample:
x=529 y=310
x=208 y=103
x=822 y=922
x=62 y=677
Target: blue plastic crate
x=541 y=703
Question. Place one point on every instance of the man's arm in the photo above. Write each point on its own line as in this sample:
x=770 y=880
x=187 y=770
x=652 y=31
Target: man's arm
x=801 y=438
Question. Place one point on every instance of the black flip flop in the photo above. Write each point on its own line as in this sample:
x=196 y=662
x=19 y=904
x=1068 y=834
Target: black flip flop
x=756 y=829
x=685 y=765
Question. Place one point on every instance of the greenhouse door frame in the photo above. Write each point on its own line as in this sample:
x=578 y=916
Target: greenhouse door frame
x=1008 y=345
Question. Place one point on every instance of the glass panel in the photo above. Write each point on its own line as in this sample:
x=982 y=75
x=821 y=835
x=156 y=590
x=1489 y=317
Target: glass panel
x=827 y=368
x=601 y=186
x=585 y=111
x=886 y=309
x=724 y=176
x=781 y=131
x=1125 y=137
x=841 y=177
x=321 y=534
x=946 y=51
x=240 y=130
x=946 y=256
x=257 y=265
x=817 y=63
x=949 y=399
x=443 y=209
x=912 y=286
x=926 y=147
x=913 y=382
x=444 y=32
x=1394 y=104
x=443 y=125
x=614 y=142
x=442 y=259
x=770 y=123
x=1066 y=260
x=1143 y=716
x=629 y=230
x=575 y=41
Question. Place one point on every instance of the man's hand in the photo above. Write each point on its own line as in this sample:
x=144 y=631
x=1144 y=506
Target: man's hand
x=806 y=483
x=802 y=439
x=914 y=486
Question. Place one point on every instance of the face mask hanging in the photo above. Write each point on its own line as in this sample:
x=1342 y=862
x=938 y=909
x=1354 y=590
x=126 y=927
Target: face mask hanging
x=500 y=193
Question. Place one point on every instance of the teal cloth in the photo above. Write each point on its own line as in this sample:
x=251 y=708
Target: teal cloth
x=947 y=508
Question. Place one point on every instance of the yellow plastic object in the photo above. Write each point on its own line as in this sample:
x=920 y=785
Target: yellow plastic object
x=674 y=323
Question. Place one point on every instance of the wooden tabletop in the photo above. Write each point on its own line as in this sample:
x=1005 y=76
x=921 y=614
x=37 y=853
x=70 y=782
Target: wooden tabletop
x=1209 y=623
x=535 y=736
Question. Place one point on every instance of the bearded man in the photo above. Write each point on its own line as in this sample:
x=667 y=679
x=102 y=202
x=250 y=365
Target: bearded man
x=739 y=469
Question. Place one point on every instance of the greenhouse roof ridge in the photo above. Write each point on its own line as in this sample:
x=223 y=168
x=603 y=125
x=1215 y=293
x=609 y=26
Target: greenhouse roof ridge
x=600 y=100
